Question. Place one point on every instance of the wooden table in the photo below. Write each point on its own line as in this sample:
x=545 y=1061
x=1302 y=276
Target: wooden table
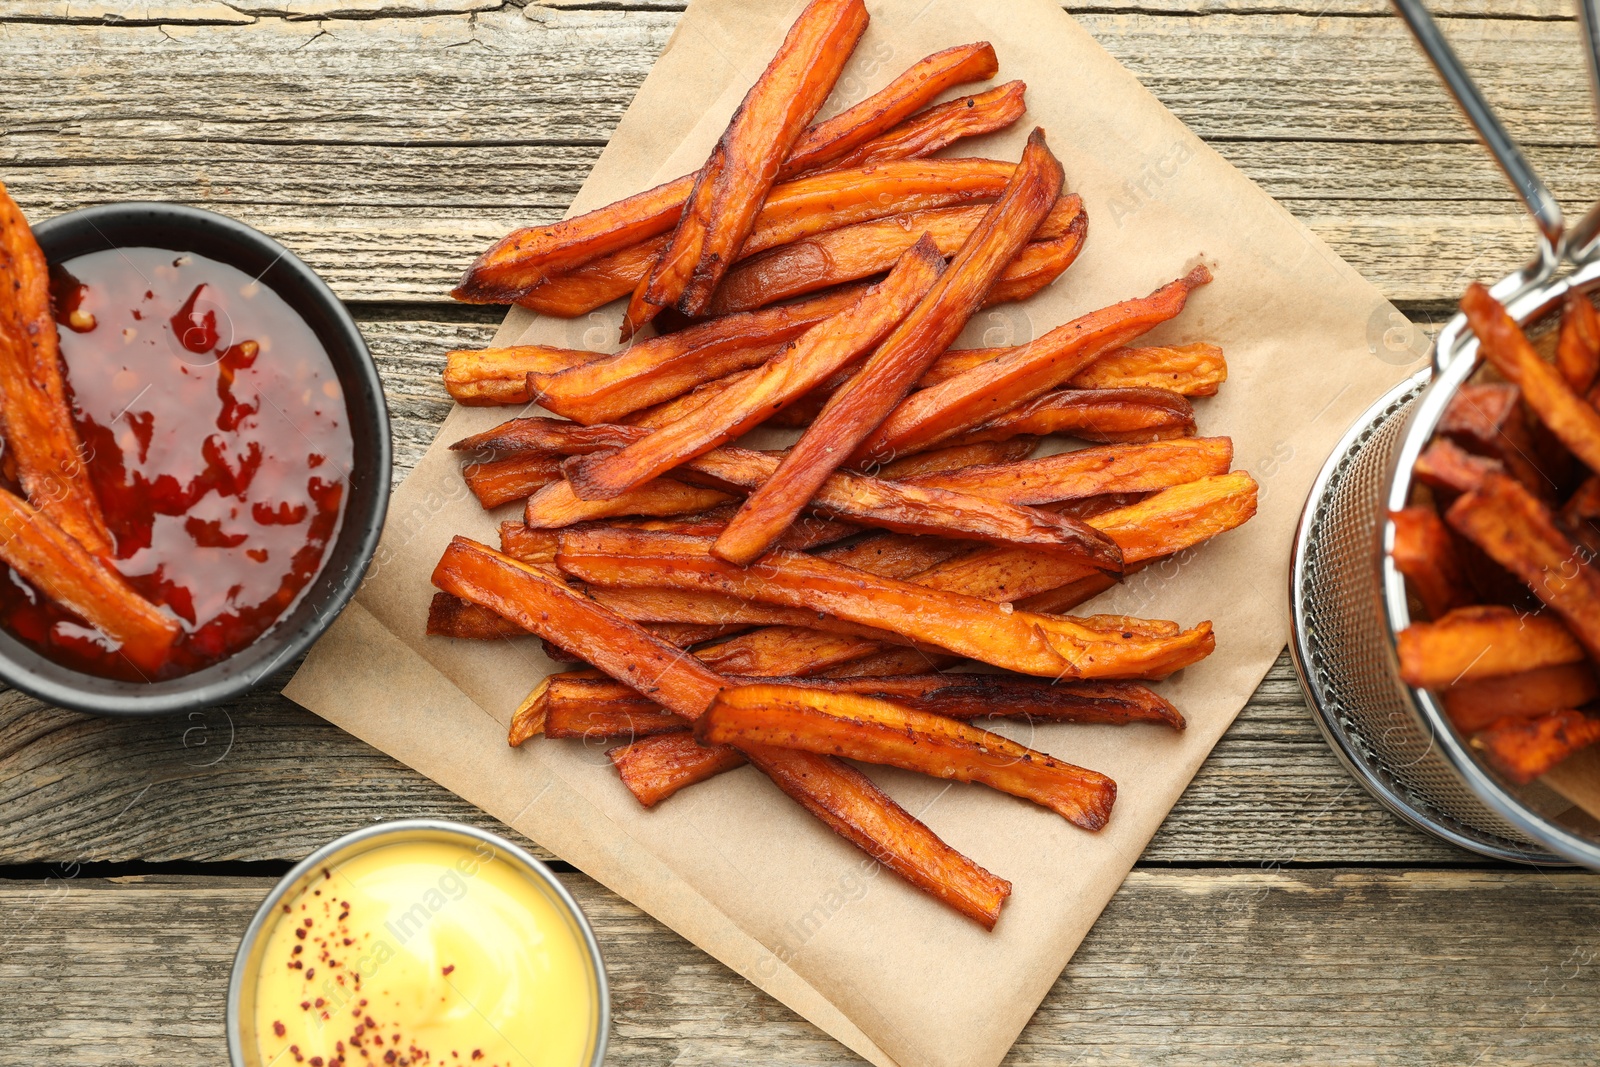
x=1280 y=915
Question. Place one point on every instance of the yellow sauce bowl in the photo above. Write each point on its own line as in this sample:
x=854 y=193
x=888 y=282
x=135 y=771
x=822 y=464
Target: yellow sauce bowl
x=418 y=942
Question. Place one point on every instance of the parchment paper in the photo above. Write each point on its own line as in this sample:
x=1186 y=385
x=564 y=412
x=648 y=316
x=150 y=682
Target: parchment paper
x=731 y=864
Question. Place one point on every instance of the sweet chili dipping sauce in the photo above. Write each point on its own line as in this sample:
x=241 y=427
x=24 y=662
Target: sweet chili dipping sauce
x=217 y=441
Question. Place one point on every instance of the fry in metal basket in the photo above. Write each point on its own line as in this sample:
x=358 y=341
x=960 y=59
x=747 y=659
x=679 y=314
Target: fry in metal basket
x=1526 y=694
x=1523 y=749
x=1483 y=641
x=1578 y=347
x=1425 y=552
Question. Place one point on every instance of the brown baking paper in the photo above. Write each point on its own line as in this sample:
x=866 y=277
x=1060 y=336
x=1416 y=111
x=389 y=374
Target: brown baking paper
x=732 y=864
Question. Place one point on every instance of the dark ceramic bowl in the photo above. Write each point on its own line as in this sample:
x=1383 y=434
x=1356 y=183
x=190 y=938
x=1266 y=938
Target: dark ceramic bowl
x=187 y=229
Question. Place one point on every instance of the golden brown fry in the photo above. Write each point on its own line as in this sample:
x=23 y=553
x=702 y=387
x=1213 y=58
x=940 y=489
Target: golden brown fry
x=1105 y=416
x=1578 y=348
x=663 y=367
x=1092 y=471
x=825 y=143
x=943 y=125
x=842 y=798
x=1537 y=691
x=500 y=481
x=537 y=435
x=1425 y=552
x=34 y=546
x=930 y=327
x=732 y=185
x=1573 y=421
x=990 y=390
x=877 y=731
x=1051 y=646
x=490 y=376
x=521 y=542
x=593 y=709
x=1483 y=641
x=851 y=253
x=1518 y=532
x=744 y=405
x=1525 y=749
x=529 y=257
x=41 y=441
x=1446 y=465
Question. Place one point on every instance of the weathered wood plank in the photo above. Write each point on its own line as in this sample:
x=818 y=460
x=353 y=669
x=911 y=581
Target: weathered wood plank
x=402 y=160
x=263 y=779
x=1192 y=967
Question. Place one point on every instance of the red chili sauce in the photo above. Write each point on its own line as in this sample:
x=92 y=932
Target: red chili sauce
x=218 y=443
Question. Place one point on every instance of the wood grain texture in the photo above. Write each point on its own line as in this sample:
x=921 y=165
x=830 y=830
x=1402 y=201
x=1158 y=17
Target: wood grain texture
x=1184 y=967
x=236 y=783
x=389 y=150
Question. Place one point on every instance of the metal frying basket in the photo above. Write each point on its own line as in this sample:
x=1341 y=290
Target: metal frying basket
x=1348 y=599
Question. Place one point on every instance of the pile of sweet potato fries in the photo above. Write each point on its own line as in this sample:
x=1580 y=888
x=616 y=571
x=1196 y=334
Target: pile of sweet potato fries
x=1498 y=549
x=787 y=609
x=52 y=531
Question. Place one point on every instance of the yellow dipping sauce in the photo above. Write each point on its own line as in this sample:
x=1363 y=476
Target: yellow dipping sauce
x=425 y=952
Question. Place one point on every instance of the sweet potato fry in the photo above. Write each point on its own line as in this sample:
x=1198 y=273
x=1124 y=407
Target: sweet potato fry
x=743 y=406
x=538 y=435
x=1192 y=370
x=854 y=498
x=1039 y=263
x=1523 y=749
x=1108 y=416
x=998 y=386
x=644 y=604
x=841 y=797
x=528 y=257
x=1537 y=691
x=943 y=125
x=1050 y=646
x=811 y=208
x=1573 y=421
x=1486 y=420
x=1425 y=552
x=450 y=616
x=851 y=253
x=825 y=143
x=958 y=457
x=500 y=481
x=521 y=542
x=591 y=708
x=876 y=731
x=1483 y=641
x=1580 y=515
x=1164 y=523
x=1446 y=465
x=41 y=441
x=901 y=359
x=657 y=767
x=732 y=185
x=1091 y=471
x=1578 y=347
x=38 y=549
x=555 y=505
x=662 y=367
x=489 y=376
x=1518 y=532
